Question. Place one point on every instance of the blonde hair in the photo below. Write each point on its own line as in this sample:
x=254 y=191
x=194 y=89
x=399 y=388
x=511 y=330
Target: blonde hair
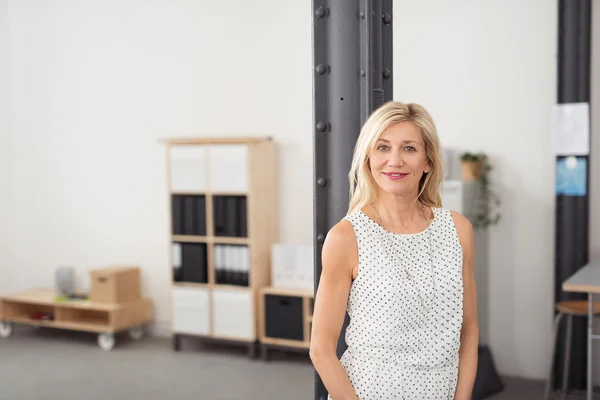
x=362 y=186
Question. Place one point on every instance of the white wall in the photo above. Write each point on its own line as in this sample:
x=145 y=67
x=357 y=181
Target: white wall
x=94 y=87
x=7 y=267
x=487 y=73
x=95 y=84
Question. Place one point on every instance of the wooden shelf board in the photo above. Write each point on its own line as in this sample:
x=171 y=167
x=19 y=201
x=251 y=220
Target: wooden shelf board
x=231 y=287
x=287 y=291
x=190 y=238
x=213 y=140
x=192 y=284
x=230 y=240
x=78 y=326
x=47 y=297
x=285 y=342
x=210 y=239
x=232 y=338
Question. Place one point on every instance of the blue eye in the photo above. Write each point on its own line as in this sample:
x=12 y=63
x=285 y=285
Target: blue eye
x=410 y=148
x=382 y=147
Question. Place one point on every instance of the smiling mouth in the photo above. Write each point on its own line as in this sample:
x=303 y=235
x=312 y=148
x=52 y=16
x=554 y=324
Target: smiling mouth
x=394 y=175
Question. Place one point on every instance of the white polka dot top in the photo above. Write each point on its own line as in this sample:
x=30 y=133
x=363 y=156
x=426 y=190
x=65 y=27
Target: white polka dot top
x=405 y=309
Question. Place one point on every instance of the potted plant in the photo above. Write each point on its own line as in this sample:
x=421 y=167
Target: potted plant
x=476 y=167
x=471 y=166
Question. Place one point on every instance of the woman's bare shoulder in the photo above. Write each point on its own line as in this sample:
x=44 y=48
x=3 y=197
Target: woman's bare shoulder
x=340 y=247
x=464 y=229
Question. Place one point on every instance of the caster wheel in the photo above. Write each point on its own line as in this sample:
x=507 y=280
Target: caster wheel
x=137 y=332
x=106 y=341
x=5 y=329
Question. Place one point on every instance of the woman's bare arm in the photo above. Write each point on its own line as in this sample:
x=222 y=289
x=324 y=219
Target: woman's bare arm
x=469 y=338
x=339 y=257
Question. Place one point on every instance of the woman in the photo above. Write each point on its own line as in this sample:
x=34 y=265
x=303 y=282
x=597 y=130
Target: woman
x=402 y=267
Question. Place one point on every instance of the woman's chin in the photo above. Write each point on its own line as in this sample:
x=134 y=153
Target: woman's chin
x=398 y=190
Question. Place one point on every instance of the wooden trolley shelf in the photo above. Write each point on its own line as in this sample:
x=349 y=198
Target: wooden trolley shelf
x=40 y=307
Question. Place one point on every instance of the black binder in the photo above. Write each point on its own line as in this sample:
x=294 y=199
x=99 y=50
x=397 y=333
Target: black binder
x=188 y=216
x=194 y=266
x=232 y=216
x=242 y=217
x=177 y=214
x=200 y=217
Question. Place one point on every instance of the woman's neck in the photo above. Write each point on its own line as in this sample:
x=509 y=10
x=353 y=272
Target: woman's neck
x=397 y=212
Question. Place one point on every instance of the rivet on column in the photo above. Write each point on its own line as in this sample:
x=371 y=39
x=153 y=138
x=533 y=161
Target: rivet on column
x=321 y=69
x=387 y=19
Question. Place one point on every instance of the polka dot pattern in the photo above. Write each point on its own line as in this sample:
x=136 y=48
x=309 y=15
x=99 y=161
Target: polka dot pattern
x=405 y=316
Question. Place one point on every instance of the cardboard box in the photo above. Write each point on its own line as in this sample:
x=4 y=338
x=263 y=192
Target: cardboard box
x=115 y=285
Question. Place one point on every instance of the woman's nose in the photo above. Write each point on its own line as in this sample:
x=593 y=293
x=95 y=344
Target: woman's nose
x=395 y=159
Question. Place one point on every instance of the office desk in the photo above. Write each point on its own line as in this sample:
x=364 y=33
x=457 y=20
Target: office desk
x=587 y=280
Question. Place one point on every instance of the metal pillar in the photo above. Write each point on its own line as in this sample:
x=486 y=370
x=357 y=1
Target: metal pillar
x=352 y=60
x=572 y=212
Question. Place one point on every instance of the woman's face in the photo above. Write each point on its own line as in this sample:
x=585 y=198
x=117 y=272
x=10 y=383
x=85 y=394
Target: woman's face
x=398 y=160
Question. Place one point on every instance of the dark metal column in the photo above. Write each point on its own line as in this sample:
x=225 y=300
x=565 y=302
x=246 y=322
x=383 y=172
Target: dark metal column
x=352 y=60
x=572 y=212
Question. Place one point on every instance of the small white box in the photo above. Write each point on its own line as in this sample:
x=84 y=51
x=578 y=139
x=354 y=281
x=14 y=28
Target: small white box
x=292 y=266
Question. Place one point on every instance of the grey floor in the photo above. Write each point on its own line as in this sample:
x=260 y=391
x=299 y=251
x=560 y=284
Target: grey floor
x=42 y=364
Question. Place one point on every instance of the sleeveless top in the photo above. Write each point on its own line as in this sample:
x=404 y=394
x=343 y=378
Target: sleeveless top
x=405 y=308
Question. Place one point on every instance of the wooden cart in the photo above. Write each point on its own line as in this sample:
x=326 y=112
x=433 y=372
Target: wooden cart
x=40 y=307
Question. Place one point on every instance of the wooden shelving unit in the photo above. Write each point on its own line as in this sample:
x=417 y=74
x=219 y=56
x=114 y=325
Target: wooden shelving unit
x=40 y=307
x=224 y=220
x=285 y=319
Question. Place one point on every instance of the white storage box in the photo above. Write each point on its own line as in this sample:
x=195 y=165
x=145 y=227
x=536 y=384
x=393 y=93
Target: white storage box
x=191 y=313
x=292 y=266
x=234 y=314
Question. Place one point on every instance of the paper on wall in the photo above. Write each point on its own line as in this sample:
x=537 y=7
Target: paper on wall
x=571 y=129
x=571 y=176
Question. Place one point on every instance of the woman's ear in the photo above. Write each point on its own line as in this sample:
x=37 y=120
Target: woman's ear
x=427 y=167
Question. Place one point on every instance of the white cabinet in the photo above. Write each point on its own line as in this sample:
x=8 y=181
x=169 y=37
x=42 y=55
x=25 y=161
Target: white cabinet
x=188 y=168
x=233 y=313
x=191 y=310
x=228 y=168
